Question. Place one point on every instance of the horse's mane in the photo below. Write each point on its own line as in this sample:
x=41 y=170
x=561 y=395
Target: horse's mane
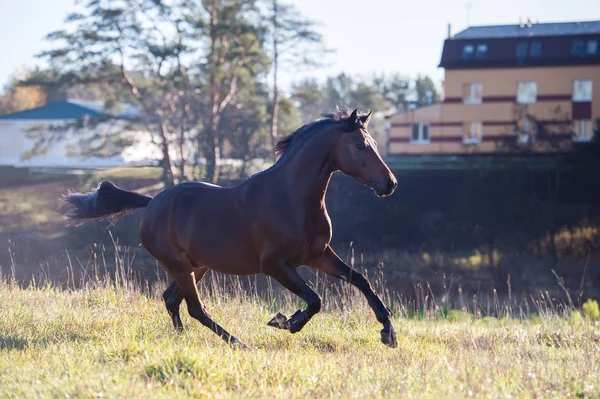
x=328 y=118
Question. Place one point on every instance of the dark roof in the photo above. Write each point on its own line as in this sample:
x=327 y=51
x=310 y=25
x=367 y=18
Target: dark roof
x=69 y=110
x=58 y=110
x=530 y=30
x=555 y=44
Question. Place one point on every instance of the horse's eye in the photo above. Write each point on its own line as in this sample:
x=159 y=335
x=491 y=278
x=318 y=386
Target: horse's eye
x=361 y=146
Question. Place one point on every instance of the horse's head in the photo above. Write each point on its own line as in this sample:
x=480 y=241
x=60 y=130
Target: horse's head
x=356 y=155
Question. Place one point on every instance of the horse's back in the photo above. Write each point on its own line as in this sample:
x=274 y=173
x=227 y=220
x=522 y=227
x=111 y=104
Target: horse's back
x=198 y=184
x=198 y=201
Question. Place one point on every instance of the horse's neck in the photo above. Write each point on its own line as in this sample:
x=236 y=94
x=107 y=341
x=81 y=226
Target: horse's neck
x=309 y=170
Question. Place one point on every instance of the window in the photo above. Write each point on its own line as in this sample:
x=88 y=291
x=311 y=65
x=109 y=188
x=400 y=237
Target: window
x=526 y=92
x=536 y=49
x=521 y=50
x=583 y=131
x=577 y=47
x=473 y=133
x=472 y=93
x=481 y=51
x=467 y=51
x=414 y=132
x=419 y=133
x=582 y=90
x=592 y=47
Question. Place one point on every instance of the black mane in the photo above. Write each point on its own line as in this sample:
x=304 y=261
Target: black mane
x=309 y=129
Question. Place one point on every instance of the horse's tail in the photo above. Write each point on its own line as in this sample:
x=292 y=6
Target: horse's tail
x=106 y=202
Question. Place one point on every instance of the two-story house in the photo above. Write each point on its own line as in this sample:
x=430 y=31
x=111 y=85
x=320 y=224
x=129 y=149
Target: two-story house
x=533 y=87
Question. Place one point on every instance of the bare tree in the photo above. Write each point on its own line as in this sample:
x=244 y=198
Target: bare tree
x=294 y=43
x=137 y=46
x=229 y=33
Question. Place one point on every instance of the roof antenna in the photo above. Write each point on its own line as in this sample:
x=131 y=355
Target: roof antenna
x=469 y=3
x=528 y=22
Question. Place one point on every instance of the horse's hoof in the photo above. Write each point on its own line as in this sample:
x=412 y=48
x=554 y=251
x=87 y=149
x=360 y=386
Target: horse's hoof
x=388 y=336
x=237 y=344
x=297 y=321
x=279 y=321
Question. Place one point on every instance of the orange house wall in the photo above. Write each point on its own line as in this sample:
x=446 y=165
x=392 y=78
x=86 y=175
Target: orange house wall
x=554 y=91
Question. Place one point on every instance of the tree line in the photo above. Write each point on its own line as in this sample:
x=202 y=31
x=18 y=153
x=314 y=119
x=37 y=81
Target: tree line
x=203 y=75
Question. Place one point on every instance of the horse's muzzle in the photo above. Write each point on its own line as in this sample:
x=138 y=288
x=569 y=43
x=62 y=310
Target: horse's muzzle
x=383 y=190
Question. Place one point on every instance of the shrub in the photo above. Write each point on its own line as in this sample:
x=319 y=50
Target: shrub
x=590 y=310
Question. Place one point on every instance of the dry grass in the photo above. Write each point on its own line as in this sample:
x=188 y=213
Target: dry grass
x=113 y=339
x=33 y=206
x=128 y=173
x=33 y=202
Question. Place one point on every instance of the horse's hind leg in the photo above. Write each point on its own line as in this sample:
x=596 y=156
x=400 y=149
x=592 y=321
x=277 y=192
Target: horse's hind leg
x=173 y=298
x=189 y=290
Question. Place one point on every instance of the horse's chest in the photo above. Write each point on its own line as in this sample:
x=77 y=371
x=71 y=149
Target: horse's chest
x=318 y=236
x=303 y=239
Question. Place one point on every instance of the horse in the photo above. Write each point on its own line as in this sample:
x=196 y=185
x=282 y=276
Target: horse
x=272 y=223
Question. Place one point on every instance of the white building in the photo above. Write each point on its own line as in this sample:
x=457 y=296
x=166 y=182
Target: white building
x=16 y=136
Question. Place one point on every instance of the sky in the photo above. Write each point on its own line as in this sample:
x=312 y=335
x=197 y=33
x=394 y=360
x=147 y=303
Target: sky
x=367 y=36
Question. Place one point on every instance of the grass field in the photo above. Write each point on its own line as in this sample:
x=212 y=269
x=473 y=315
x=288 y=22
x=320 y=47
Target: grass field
x=111 y=340
x=103 y=336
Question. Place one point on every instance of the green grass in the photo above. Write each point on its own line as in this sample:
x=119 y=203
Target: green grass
x=111 y=341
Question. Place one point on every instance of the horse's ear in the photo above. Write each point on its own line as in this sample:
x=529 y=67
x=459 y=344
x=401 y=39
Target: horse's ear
x=365 y=119
x=353 y=120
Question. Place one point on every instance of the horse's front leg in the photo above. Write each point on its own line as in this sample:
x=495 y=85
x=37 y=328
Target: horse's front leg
x=331 y=264
x=287 y=276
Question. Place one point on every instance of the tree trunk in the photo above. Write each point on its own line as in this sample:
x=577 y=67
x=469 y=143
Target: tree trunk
x=182 y=153
x=212 y=149
x=275 y=110
x=167 y=172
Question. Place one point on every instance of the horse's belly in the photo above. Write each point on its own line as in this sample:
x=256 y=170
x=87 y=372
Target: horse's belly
x=224 y=248
x=226 y=260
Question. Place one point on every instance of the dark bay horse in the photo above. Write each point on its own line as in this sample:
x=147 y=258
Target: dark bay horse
x=272 y=223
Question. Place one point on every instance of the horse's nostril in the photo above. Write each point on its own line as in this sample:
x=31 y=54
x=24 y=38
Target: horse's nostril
x=391 y=184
